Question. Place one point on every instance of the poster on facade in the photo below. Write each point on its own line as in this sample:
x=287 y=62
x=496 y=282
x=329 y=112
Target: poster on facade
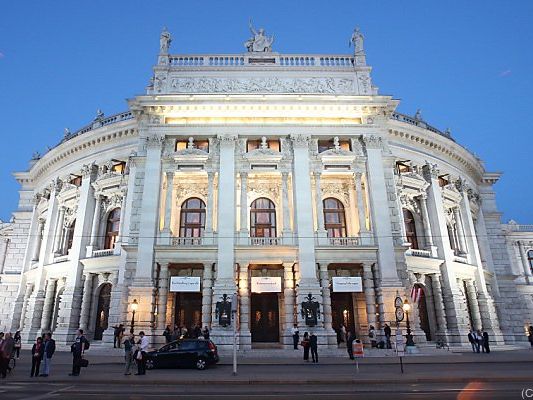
x=347 y=284
x=266 y=284
x=184 y=283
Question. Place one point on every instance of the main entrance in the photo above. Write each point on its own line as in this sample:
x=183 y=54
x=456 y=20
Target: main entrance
x=264 y=316
x=102 y=311
x=342 y=313
x=188 y=312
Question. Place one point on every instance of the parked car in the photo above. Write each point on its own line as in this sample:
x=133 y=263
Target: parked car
x=197 y=353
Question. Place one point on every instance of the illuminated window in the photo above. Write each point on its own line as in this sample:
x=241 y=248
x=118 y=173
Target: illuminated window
x=192 y=218
x=183 y=144
x=70 y=235
x=76 y=180
x=410 y=228
x=112 y=228
x=272 y=144
x=119 y=167
x=263 y=218
x=443 y=181
x=334 y=218
x=324 y=145
x=403 y=167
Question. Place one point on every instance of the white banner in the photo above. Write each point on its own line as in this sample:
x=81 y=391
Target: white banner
x=184 y=283
x=347 y=284
x=266 y=284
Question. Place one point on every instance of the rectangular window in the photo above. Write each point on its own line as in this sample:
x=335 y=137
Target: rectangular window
x=76 y=180
x=272 y=144
x=119 y=167
x=324 y=145
x=443 y=181
x=181 y=145
x=403 y=166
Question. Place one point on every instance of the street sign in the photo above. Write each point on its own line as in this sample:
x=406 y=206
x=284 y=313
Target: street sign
x=347 y=284
x=184 y=283
x=358 y=349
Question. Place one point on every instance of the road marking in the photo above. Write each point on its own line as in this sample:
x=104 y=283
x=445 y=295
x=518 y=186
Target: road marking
x=49 y=395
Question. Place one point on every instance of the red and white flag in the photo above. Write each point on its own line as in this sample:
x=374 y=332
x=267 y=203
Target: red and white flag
x=416 y=293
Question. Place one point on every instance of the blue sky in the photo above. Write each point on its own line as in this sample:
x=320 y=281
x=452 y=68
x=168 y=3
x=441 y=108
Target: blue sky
x=467 y=65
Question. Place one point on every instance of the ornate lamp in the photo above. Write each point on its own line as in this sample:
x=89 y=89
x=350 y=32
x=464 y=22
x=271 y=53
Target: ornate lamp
x=134 y=306
x=406 y=308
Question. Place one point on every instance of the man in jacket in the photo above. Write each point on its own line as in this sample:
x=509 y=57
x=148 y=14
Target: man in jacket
x=142 y=349
x=77 y=349
x=314 y=347
x=49 y=350
x=472 y=340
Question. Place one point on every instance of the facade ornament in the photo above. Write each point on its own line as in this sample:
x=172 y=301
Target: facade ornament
x=37 y=198
x=300 y=140
x=285 y=148
x=164 y=41
x=338 y=190
x=227 y=138
x=270 y=189
x=153 y=141
x=184 y=190
x=57 y=184
x=373 y=142
x=264 y=144
x=418 y=115
x=448 y=132
x=259 y=42
x=430 y=171
x=66 y=134
x=36 y=155
x=131 y=162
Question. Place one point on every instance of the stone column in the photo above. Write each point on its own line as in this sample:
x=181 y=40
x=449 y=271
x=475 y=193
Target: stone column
x=122 y=219
x=370 y=294
x=3 y=253
x=360 y=204
x=59 y=231
x=163 y=297
x=414 y=314
x=27 y=294
x=244 y=204
x=168 y=204
x=285 y=204
x=440 y=312
x=326 y=304
x=95 y=225
x=86 y=302
x=525 y=262
x=321 y=230
x=427 y=224
x=210 y=204
x=207 y=294
x=38 y=241
x=474 y=305
x=48 y=307
x=244 y=300
x=460 y=230
x=288 y=296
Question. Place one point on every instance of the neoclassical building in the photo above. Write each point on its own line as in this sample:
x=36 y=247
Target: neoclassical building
x=280 y=178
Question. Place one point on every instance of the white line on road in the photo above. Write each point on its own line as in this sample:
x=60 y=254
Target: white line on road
x=49 y=395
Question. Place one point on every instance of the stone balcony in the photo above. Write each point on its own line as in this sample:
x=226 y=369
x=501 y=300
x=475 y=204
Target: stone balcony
x=347 y=241
x=418 y=253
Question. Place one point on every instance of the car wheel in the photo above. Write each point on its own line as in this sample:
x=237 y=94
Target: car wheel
x=201 y=364
x=150 y=364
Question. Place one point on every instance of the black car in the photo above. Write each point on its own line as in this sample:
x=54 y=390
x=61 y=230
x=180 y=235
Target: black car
x=198 y=353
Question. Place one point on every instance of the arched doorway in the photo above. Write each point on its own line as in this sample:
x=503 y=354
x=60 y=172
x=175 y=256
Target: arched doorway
x=55 y=313
x=102 y=311
x=423 y=312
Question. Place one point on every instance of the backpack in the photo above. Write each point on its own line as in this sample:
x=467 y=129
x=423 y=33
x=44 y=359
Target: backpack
x=87 y=344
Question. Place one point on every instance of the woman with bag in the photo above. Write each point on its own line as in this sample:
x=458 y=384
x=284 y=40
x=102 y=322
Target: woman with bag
x=18 y=344
x=37 y=352
x=306 y=344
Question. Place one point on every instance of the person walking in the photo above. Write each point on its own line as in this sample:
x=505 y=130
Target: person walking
x=49 y=348
x=176 y=333
x=295 y=336
x=313 y=341
x=3 y=366
x=372 y=336
x=129 y=345
x=37 y=352
x=142 y=347
x=205 y=333
x=486 y=345
x=18 y=344
x=472 y=340
x=306 y=344
x=78 y=349
x=350 y=337
x=388 y=333
x=6 y=352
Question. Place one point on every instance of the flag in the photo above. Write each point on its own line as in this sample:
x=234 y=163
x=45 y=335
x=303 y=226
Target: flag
x=416 y=293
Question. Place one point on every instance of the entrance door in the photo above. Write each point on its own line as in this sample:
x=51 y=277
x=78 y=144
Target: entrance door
x=102 y=312
x=188 y=310
x=423 y=314
x=342 y=313
x=264 y=317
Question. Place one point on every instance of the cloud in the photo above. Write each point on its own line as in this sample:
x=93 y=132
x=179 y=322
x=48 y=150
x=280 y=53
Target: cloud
x=505 y=73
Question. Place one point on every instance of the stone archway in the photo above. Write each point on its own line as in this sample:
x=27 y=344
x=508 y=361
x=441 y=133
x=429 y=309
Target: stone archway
x=102 y=311
x=423 y=315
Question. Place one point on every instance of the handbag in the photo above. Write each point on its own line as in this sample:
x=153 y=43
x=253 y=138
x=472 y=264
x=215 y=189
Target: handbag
x=139 y=355
x=84 y=363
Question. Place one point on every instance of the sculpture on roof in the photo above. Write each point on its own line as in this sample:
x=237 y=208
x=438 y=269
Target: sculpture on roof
x=418 y=115
x=259 y=42
x=357 y=40
x=164 y=41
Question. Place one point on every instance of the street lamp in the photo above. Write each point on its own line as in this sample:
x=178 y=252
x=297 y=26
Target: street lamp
x=406 y=308
x=134 y=306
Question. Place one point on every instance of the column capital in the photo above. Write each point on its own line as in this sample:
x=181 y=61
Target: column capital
x=358 y=175
x=367 y=266
x=300 y=140
x=243 y=174
x=227 y=138
x=288 y=265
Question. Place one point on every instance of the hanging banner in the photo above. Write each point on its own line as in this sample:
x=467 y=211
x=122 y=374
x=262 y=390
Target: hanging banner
x=266 y=284
x=184 y=283
x=347 y=284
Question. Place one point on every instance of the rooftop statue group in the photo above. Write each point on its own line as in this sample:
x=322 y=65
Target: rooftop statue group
x=259 y=42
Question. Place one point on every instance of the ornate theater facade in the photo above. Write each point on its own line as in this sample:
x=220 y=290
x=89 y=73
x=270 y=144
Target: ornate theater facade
x=284 y=179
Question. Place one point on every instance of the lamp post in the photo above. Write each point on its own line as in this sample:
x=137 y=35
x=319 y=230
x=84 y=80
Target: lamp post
x=134 y=306
x=409 y=337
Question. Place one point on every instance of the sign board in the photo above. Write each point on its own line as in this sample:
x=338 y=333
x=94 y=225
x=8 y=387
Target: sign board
x=357 y=348
x=347 y=284
x=266 y=284
x=184 y=283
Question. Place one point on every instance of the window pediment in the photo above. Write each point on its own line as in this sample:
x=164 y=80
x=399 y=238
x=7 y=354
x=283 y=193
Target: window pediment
x=110 y=180
x=414 y=180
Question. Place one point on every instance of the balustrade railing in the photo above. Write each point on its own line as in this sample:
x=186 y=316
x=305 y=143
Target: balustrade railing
x=60 y=259
x=265 y=241
x=103 y=253
x=520 y=228
x=187 y=241
x=418 y=253
x=417 y=122
x=348 y=241
x=459 y=259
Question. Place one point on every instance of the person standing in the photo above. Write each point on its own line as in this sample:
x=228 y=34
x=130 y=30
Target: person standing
x=129 y=344
x=388 y=333
x=37 y=352
x=6 y=352
x=313 y=341
x=486 y=345
x=295 y=336
x=3 y=366
x=78 y=349
x=167 y=334
x=306 y=344
x=372 y=336
x=472 y=340
x=205 y=333
x=530 y=335
x=350 y=337
x=118 y=331
x=49 y=348
x=142 y=347
x=479 y=340
x=18 y=344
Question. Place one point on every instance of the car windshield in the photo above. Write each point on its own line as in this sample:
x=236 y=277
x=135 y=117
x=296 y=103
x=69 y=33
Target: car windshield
x=169 y=347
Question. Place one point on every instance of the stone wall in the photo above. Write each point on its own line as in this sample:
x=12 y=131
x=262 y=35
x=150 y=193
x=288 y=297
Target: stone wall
x=9 y=285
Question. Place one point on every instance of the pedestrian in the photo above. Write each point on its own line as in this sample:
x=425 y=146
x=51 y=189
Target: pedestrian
x=205 y=333
x=530 y=335
x=3 y=363
x=197 y=332
x=313 y=341
x=295 y=336
x=142 y=347
x=167 y=334
x=472 y=340
x=118 y=332
x=176 y=333
x=388 y=333
x=78 y=350
x=306 y=344
x=49 y=348
x=129 y=345
x=6 y=352
x=486 y=345
x=350 y=337
x=343 y=333
x=479 y=340
x=372 y=336
x=184 y=333
x=18 y=344
x=37 y=352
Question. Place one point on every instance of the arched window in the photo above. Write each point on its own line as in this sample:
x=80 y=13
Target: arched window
x=70 y=236
x=263 y=218
x=192 y=218
x=112 y=227
x=410 y=228
x=334 y=218
x=530 y=259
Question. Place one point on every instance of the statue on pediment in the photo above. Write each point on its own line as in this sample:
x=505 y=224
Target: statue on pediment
x=259 y=42
x=164 y=41
x=357 y=40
